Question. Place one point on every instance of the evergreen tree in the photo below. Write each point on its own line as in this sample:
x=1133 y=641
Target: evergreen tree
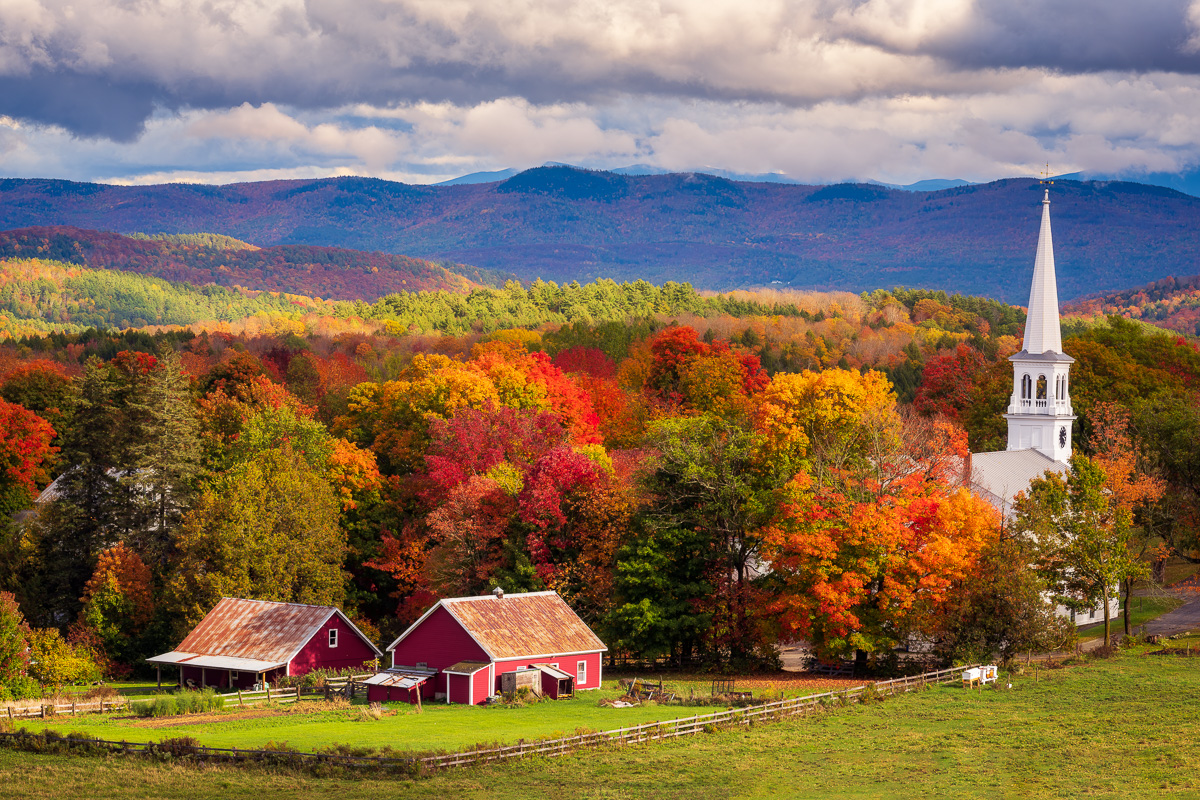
x=165 y=457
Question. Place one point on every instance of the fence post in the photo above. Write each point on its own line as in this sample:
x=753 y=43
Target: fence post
x=268 y=692
x=72 y=708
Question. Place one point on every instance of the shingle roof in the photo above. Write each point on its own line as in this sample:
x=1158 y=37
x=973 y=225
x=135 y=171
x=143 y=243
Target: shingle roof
x=257 y=629
x=1001 y=475
x=517 y=625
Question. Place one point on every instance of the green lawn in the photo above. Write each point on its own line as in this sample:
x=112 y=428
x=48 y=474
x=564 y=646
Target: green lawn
x=439 y=726
x=1124 y=728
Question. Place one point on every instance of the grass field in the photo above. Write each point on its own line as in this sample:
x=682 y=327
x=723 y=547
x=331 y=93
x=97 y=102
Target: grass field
x=311 y=724
x=1128 y=727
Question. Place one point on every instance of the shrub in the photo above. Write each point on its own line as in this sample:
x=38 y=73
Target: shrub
x=20 y=687
x=179 y=745
x=54 y=662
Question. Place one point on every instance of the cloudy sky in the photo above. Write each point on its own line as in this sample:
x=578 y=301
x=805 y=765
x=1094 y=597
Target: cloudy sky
x=145 y=91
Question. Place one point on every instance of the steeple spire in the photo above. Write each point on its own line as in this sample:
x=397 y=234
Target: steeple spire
x=1042 y=331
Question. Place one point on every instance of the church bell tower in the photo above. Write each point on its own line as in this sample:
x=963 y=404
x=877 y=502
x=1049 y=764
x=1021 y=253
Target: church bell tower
x=1039 y=414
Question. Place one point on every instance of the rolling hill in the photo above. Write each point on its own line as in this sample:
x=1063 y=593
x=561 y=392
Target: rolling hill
x=200 y=259
x=1171 y=303
x=565 y=224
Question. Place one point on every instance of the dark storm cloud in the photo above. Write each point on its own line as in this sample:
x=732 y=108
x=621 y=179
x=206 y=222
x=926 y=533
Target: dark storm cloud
x=88 y=105
x=1073 y=36
x=102 y=68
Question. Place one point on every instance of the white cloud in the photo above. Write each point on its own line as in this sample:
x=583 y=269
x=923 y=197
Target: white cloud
x=426 y=89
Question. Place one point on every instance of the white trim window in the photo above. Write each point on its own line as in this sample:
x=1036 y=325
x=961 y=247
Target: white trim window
x=233 y=677
x=333 y=636
x=580 y=673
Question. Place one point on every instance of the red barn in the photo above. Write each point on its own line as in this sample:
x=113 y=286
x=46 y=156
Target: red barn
x=246 y=642
x=468 y=644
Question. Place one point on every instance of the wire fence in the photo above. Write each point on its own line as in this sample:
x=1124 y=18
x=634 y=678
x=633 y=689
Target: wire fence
x=419 y=764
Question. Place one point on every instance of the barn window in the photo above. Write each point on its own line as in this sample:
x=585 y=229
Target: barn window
x=333 y=637
x=233 y=676
x=581 y=673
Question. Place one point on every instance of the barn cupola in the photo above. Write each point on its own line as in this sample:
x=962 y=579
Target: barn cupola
x=1039 y=414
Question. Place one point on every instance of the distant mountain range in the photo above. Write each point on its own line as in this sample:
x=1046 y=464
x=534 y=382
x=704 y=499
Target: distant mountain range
x=564 y=224
x=495 y=176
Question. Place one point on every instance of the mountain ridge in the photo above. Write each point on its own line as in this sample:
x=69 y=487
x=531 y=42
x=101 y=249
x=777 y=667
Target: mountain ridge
x=564 y=224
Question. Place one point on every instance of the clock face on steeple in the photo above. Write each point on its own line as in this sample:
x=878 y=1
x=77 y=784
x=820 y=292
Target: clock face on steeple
x=1062 y=436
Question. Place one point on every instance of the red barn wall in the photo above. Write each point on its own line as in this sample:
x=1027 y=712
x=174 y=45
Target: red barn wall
x=567 y=664
x=351 y=651
x=458 y=687
x=390 y=694
x=483 y=685
x=439 y=641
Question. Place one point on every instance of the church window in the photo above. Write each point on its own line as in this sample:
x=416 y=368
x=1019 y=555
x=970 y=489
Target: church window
x=1041 y=387
x=1026 y=387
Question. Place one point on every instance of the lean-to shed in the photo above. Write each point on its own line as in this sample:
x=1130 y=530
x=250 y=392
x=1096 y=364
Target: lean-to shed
x=241 y=643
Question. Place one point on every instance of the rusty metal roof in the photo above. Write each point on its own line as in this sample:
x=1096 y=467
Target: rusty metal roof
x=517 y=625
x=467 y=667
x=258 y=629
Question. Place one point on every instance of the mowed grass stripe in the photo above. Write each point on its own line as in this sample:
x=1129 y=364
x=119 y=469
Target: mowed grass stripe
x=1121 y=728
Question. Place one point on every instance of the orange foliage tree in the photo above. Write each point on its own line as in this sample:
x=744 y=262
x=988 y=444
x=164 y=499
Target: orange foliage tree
x=867 y=548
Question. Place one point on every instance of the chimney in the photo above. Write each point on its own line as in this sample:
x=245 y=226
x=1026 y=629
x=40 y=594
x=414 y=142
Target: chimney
x=498 y=592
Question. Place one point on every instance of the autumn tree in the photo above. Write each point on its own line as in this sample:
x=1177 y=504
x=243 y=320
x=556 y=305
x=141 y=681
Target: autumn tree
x=1001 y=610
x=707 y=477
x=118 y=602
x=14 y=639
x=1129 y=487
x=267 y=530
x=1082 y=537
x=25 y=450
x=872 y=537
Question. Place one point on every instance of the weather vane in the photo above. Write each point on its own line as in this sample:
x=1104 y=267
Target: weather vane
x=1046 y=176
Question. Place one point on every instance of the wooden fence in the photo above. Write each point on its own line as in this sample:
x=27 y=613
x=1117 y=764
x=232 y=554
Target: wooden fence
x=636 y=734
x=344 y=687
x=44 y=710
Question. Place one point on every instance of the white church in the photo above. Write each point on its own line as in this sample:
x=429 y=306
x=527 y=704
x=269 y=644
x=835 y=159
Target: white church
x=1040 y=418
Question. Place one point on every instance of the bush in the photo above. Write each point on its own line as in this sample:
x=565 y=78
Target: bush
x=179 y=745
x=20 y=687
x=54 y=662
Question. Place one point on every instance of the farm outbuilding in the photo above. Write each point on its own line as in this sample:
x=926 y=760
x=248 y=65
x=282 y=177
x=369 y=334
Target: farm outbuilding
x=241 y=643
x=476 y=645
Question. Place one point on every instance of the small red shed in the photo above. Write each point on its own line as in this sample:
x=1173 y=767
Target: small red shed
x=241 y=643
x=472 y=641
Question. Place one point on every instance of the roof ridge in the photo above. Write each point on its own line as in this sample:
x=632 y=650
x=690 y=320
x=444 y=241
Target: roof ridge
x=493 y=597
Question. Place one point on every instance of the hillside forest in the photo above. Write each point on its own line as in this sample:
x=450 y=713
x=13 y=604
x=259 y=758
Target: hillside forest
x=701 y=477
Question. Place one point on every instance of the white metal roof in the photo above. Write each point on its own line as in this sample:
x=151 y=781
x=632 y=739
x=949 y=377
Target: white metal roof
x=216 y=662
x=396 y=680
x=553 y=672
x=1001 y=475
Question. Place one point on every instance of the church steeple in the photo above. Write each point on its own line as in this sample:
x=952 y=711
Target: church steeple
x=1039 y=414
x=1042 y=332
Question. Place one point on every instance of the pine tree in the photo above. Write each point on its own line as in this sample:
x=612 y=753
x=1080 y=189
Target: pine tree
x=164 y=456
